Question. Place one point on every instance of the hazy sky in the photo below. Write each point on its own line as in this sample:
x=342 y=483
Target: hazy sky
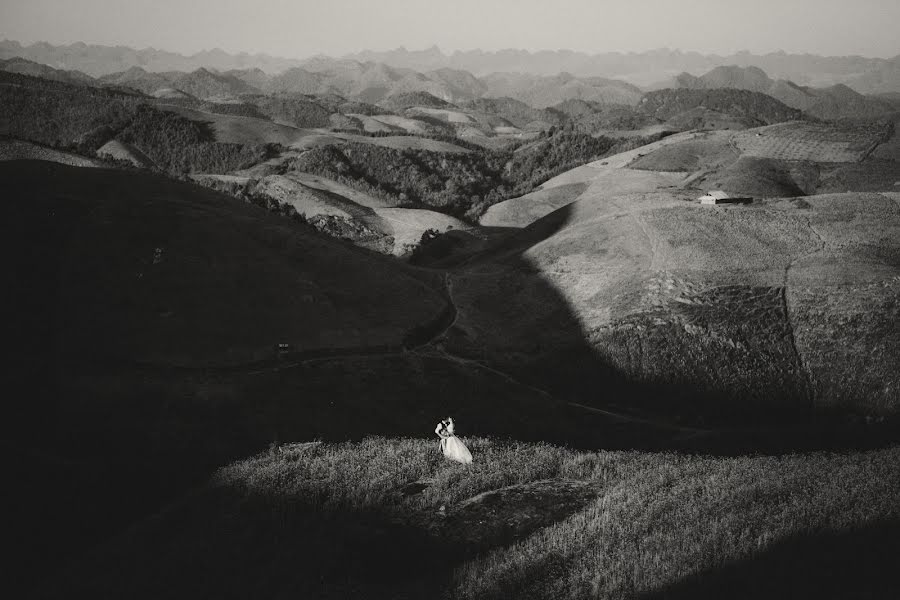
x=299 y=28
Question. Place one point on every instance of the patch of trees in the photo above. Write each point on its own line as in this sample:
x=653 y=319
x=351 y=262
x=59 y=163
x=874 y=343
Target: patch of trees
x=59 y=114
x=178 y=145
x=463 y=185
x=557 y=151
x=237 y=109
x=668 y=103
x=297 y=110
x=449 y=182
x=84 y=118
x=402 y=101
x=516 y=112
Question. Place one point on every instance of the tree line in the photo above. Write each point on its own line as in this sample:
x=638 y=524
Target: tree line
x=82 y=119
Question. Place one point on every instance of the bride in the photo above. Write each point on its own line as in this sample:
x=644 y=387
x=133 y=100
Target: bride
x=452 y=446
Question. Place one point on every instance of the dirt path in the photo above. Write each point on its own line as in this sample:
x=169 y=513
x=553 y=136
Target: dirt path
x=786 y=305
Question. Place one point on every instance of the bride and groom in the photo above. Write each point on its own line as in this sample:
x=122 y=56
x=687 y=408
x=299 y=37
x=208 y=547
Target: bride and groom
x=452 y=446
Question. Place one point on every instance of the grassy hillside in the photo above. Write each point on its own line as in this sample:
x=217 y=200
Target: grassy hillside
x=825 y=143
x=137 y=307
x=710 y=304
x=148 y=317
x=389 y=518
x=607 y=174
x=11 y=149
x=148 y=314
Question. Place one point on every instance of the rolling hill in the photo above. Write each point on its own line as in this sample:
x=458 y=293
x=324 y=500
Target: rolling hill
x=27 y=67
x=832 y=102
x=138 y=79
x=150 y=314
x=753 y=107
x=782 y=160
x=518 y=113
x=664 y=399
x=546 y=91
x=184 y=233
x=658 y=282
x=526 y=520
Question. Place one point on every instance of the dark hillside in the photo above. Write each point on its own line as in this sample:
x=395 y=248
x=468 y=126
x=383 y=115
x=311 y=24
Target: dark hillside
x=131 y=286
x=27 y=67
x=399 y=102
x=69 y=116
x=765 y=110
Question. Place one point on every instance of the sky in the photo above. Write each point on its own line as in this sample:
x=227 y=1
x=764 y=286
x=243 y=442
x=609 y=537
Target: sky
x=301 y=28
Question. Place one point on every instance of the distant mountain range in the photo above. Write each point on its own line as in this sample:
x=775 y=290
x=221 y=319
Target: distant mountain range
x=864 y=75
x=833 y=102
x=367 y=82
x=371 y=83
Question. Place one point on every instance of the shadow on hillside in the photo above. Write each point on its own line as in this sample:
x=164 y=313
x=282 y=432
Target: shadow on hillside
x=861 y=564
x=142 y=436
x=542 y=345
x=226 y=542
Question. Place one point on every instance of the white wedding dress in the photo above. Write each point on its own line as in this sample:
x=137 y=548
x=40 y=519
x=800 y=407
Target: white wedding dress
x=452 y=446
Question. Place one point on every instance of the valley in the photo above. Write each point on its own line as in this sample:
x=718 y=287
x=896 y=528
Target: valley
x=242 y=296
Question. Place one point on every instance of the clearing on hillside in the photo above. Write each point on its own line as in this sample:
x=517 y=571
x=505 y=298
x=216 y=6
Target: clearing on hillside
x=122 y=151
x=816 y=142
x=609 y=176
x=710 y=151
x=243 y=130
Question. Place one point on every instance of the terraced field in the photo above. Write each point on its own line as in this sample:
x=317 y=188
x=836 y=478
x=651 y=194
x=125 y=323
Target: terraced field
x=808 y=141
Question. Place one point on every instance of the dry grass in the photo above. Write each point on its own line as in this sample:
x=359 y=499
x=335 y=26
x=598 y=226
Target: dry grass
x=19 y=150
x=243 y=130
x=709 y=152
x=696 y=298
x=808 y=141
x=393 y=519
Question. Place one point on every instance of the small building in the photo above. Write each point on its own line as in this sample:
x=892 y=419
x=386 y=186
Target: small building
x=720 y=197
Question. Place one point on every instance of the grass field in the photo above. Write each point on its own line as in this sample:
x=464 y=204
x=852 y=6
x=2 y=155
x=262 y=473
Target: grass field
x=243 y=130
x=413 y=126
x=389 y=518
x=21 y=150
x=610 y=176
x=710 y=151
x=808 y=141
x=631 y=321
x=451 y=116
x=249 y=130
x=373 y=125
x=726 y=300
